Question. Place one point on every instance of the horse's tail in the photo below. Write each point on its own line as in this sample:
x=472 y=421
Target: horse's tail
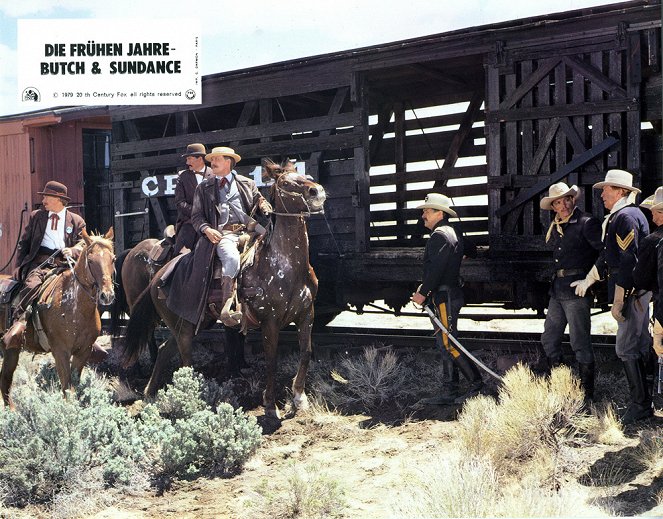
x=142 y=322
x=120 y=305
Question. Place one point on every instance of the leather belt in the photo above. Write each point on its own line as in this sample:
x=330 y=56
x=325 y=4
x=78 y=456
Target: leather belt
x=234 y=227
x=562 y=273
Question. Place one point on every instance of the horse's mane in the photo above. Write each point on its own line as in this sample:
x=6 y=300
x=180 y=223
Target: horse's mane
x=97 y=238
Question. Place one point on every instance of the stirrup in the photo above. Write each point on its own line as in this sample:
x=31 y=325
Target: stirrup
x=230 y=317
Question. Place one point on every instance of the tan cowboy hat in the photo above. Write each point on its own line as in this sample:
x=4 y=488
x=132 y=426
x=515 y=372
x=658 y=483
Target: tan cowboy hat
x=224 y=152
x=438 y=201
x=195 y=150
x=617 y=178
x=556 y=191
x=53 y=188
x=655 y=201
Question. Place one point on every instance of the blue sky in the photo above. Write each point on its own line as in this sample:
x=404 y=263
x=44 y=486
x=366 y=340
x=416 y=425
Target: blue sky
x=246 y=33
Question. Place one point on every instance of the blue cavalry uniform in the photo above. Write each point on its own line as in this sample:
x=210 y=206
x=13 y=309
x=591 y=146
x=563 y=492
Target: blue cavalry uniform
x=625 y=233
x=441 y=283
x=576 y=246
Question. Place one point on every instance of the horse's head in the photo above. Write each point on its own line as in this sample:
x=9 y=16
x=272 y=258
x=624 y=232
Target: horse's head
x=293 y=192
x=100 y=261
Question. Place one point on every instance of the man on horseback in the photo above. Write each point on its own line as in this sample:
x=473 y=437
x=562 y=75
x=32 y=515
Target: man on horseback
x=50 y=237
x=187 y=182
x=223 y=209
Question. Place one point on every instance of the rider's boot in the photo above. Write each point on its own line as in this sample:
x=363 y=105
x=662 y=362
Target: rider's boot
x=13 y=337
x=229 y=317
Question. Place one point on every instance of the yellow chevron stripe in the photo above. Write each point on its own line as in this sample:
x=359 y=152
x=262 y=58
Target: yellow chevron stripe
x=624 y=243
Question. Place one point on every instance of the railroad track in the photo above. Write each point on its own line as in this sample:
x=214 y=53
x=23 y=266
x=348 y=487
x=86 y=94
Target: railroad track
x=337 y=339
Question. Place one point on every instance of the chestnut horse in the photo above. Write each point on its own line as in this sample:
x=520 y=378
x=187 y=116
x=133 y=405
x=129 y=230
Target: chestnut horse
x=70 y=320
x=277 y=289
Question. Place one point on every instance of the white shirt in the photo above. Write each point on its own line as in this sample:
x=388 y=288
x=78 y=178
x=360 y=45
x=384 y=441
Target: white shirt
x=54 y=238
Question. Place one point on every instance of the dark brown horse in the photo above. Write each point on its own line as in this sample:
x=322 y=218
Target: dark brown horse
x=277 y=289
x=70 y=321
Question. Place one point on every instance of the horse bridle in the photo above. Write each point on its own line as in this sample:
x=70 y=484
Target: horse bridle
x=281 y=191
x=94 y=286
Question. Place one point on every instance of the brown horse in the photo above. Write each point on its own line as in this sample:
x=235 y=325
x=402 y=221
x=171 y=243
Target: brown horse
x=70 y=321
x=277 y=289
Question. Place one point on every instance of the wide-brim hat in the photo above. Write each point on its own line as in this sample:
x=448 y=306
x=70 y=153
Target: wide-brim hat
x=555 y=192
x=617 y=178
x=655 y=201
x=223 y=151
x=438 y=201
x=53 y=188
x=195 y=150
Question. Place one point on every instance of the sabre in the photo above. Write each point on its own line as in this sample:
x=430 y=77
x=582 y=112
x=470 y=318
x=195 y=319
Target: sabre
x=659 y=389
x=439 y=324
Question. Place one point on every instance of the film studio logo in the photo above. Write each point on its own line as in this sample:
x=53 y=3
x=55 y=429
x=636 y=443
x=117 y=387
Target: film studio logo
x=31 y=94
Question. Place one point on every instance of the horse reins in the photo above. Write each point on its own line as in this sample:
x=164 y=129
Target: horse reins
x=280 y=191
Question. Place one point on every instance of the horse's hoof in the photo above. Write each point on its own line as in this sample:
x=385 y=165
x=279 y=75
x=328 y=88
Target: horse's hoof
x=301 y=401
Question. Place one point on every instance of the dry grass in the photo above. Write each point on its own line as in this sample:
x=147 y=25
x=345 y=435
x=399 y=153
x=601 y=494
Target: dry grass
x=649 y=452
x=458 y=487
x=532 y=419
x=304 y=492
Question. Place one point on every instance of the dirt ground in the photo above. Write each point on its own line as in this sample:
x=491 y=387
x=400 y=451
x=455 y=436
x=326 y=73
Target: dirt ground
x=370 y=456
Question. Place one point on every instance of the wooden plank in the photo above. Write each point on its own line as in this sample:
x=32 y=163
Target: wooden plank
x=400 y=197
x=544 y=68
x=460 y=137
x=633 y=75
x=463 y=211
x=334 y=109
x=596 y=76
x=238 y=134
x=548 y=112
x=431 y=174
x=596 y=121
x=527 y=148
x=361 y=197
x=615 y=120
x=399 y=156
x=559 y=174
x=540 y=159
x=403 y=231
x=290 y=147
x=493 y=144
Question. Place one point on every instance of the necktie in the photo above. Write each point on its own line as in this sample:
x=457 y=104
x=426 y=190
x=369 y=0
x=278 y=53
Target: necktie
x=54 y=221
x=224 y=182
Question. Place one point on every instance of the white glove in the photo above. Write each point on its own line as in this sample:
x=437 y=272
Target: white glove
x=658 y=338
x=618 y=304
x=582 y=285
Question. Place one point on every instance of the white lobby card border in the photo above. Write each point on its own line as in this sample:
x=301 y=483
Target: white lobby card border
x=109 y=62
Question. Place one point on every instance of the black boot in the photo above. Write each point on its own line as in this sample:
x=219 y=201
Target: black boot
x=449 y=391
x=586 y=372
x=553 y=362
x=640 y=406
x=473 y=376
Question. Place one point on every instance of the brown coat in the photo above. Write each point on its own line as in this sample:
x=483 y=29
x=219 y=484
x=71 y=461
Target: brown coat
x=187 y=296
x=28 y=245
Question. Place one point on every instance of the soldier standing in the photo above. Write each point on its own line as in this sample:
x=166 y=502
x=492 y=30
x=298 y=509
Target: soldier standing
x=576 y=240
x=624 y=229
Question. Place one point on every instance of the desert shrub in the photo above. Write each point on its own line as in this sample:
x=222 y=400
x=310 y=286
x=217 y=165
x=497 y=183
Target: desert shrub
x=189 y=393
x=533 y=417
x=456 y=486
x=48 y=439
x=307 y=492
x=194 y=440
x=649 y=453
x=369 y=379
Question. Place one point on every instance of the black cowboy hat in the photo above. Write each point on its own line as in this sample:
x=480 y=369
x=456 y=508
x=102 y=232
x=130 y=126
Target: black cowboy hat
x=195 y=150
x=53 y=188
